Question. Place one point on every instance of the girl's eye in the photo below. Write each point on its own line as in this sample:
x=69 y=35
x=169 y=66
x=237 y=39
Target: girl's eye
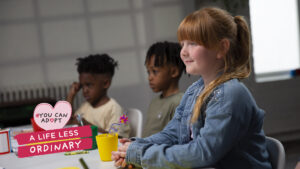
x=193 y=43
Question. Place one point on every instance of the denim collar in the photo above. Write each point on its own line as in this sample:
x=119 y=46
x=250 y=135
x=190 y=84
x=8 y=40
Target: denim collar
x=195 y=85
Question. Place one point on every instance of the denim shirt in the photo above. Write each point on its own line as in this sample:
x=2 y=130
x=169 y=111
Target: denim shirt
x=227 y=135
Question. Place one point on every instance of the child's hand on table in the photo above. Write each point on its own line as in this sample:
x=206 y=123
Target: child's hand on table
x=119 y=156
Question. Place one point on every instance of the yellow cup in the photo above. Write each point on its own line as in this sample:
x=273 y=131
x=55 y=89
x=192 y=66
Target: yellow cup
x=106 y=144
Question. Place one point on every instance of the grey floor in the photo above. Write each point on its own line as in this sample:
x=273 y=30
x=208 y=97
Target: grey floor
x=292 y=150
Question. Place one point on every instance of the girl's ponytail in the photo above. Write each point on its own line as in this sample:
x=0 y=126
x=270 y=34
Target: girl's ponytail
x=242 y=57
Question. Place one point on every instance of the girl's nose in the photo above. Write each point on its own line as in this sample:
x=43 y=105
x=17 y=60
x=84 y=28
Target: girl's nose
x=183 y=52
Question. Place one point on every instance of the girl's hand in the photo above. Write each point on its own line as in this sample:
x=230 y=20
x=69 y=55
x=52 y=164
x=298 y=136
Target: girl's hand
x=119 y=162
x=119 y=156
x=115 y=155
x=123 y=149
x=124 y=140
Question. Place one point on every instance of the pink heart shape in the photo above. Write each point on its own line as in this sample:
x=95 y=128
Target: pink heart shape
x=49 y=118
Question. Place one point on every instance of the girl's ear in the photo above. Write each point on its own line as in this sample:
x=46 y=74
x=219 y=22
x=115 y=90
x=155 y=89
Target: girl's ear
x=174 y=71
x=223 y=48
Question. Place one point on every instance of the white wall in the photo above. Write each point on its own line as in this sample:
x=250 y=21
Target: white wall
x=41 y=39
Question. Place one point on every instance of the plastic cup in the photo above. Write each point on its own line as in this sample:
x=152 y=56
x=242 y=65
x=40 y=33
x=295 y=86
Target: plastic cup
x=106 y=144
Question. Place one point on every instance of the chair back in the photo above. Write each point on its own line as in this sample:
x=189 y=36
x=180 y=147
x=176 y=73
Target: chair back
x=135 y=117
x=276 y=153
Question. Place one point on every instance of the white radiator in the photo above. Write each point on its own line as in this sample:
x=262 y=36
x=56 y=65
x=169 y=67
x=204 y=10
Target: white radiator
x=56 y=92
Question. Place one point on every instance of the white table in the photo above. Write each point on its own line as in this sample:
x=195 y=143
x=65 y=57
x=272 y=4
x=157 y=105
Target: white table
x=54 y=161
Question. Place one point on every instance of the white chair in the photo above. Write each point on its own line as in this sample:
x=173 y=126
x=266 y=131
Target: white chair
x=276 y=153
x=135 y=118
